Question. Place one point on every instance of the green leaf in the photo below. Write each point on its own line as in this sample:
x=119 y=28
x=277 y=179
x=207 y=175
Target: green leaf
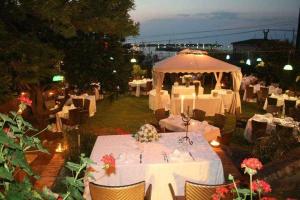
x=19 y=160
x=5 y=174
x=244 y=191
x=73 y=166
x=4 y=139
x=230 y=177
x=6 y=118
x=15 y=129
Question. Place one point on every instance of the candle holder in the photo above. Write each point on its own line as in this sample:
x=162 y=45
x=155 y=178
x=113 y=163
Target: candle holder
x=186 y=121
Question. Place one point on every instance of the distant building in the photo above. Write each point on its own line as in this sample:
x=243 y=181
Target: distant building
x=256 y=45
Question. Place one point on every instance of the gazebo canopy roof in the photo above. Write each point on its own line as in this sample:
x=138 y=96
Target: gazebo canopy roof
x=193 y=61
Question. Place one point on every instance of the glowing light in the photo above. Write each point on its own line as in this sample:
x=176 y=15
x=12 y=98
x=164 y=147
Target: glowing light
x=228 y=57
x=23 y=93
x=258 y=59
x=114 y=71
x=51 y=93
x=111 y=58
x=58 y=78
x=133 y=60
x=214 y=143
x=248 y=62
x=59 y=148
x=288 y=67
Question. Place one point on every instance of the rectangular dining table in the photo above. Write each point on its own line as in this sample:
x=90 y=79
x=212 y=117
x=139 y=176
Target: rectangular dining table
x=204 y=166
x=175 y=123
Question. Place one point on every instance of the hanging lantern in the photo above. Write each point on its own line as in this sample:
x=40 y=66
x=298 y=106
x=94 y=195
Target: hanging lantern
x=133 y=60
x=228 y=57
x=258 y=59
x=248 y=62
x=288 y=67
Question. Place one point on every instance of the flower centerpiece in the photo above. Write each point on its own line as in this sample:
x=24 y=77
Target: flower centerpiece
x=187 y=80
x=147 y=133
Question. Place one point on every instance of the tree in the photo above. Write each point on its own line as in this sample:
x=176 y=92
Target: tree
x=37 y=35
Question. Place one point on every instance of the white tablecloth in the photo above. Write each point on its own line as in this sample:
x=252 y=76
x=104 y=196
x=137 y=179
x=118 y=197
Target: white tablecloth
x=226 y=95
x=271 y=126
x=247 y=80
x=183 y=90
x=211 y=105
x=138 y=84
x=280 y=100
x=175 y=123
x=165 y=100
x=206 y=168
x=92 y=98
x=64 y=113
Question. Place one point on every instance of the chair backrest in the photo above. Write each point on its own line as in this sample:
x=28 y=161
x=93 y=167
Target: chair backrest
x=160 y=114
x=86 y=104
x=196 y=191
x=219 y=121
x=78 y=103
x=49 y=104
x=134 y=191
x=272 y=101
x=149 y=86
x=291 y=93
x=264 y=91
x=199 y=115
x=258 y=129
x=289 y=104
x=226 y=136
x=74 y=116
x=273 y=109
x=250 y=92
x=284 y=131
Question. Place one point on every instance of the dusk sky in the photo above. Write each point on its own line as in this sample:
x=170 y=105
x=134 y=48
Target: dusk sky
x=167 y=19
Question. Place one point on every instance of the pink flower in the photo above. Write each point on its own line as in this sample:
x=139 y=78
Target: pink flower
x=215 y=197
x=6 y=130
x=261 y=186
x=109 y=163
x=252 y=163
x=25 y=100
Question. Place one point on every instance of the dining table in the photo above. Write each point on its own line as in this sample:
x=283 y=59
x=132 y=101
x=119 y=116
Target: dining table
x=271 y=124
x=157 y=163
x=164 y=100
x=138 y=84
x=226 y=96
x=206 y=102
x=175 y=123
x=280 y=100
x=92 y=98
x=184 y=90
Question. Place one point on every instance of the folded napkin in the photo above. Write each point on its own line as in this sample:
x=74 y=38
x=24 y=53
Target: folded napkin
x=179 y=156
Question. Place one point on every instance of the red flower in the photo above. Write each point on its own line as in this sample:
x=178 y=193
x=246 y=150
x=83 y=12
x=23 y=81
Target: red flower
x=268 y=198
x=6 y=130
x=220 y=193
x=90 y=169
x=252 y=163
x=215 y=197
x=261 y=186
x=109 y=163
x=25 y=100
x=59 y=198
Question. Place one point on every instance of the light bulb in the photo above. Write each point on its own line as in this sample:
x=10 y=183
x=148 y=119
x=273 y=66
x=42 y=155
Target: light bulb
x=288 y=67
x=133 y=60
x=248 y=62
x=228 y=57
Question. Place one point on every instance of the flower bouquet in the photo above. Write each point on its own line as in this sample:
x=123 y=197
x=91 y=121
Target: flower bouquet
x=187 y=80
x=147 y=133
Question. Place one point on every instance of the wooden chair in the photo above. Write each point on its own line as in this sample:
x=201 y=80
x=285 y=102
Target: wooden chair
x=274 y=110
x=199 y=115
x=160 y=114
x=250 y=93
x=287 y=105
x=295 y=113
x=78 y=103
x=196 y=191
x=241 y=120
x=264 y=92
x=272 y=101
x=284 y=131
x=258 y=129
x=134 y=191
x=74 y=118
x=226 y=136
x=219 y=121
x=85 y=111
x=148 y=87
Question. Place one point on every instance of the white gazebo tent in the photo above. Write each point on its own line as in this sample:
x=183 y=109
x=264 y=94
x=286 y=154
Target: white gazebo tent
x=196 y=61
